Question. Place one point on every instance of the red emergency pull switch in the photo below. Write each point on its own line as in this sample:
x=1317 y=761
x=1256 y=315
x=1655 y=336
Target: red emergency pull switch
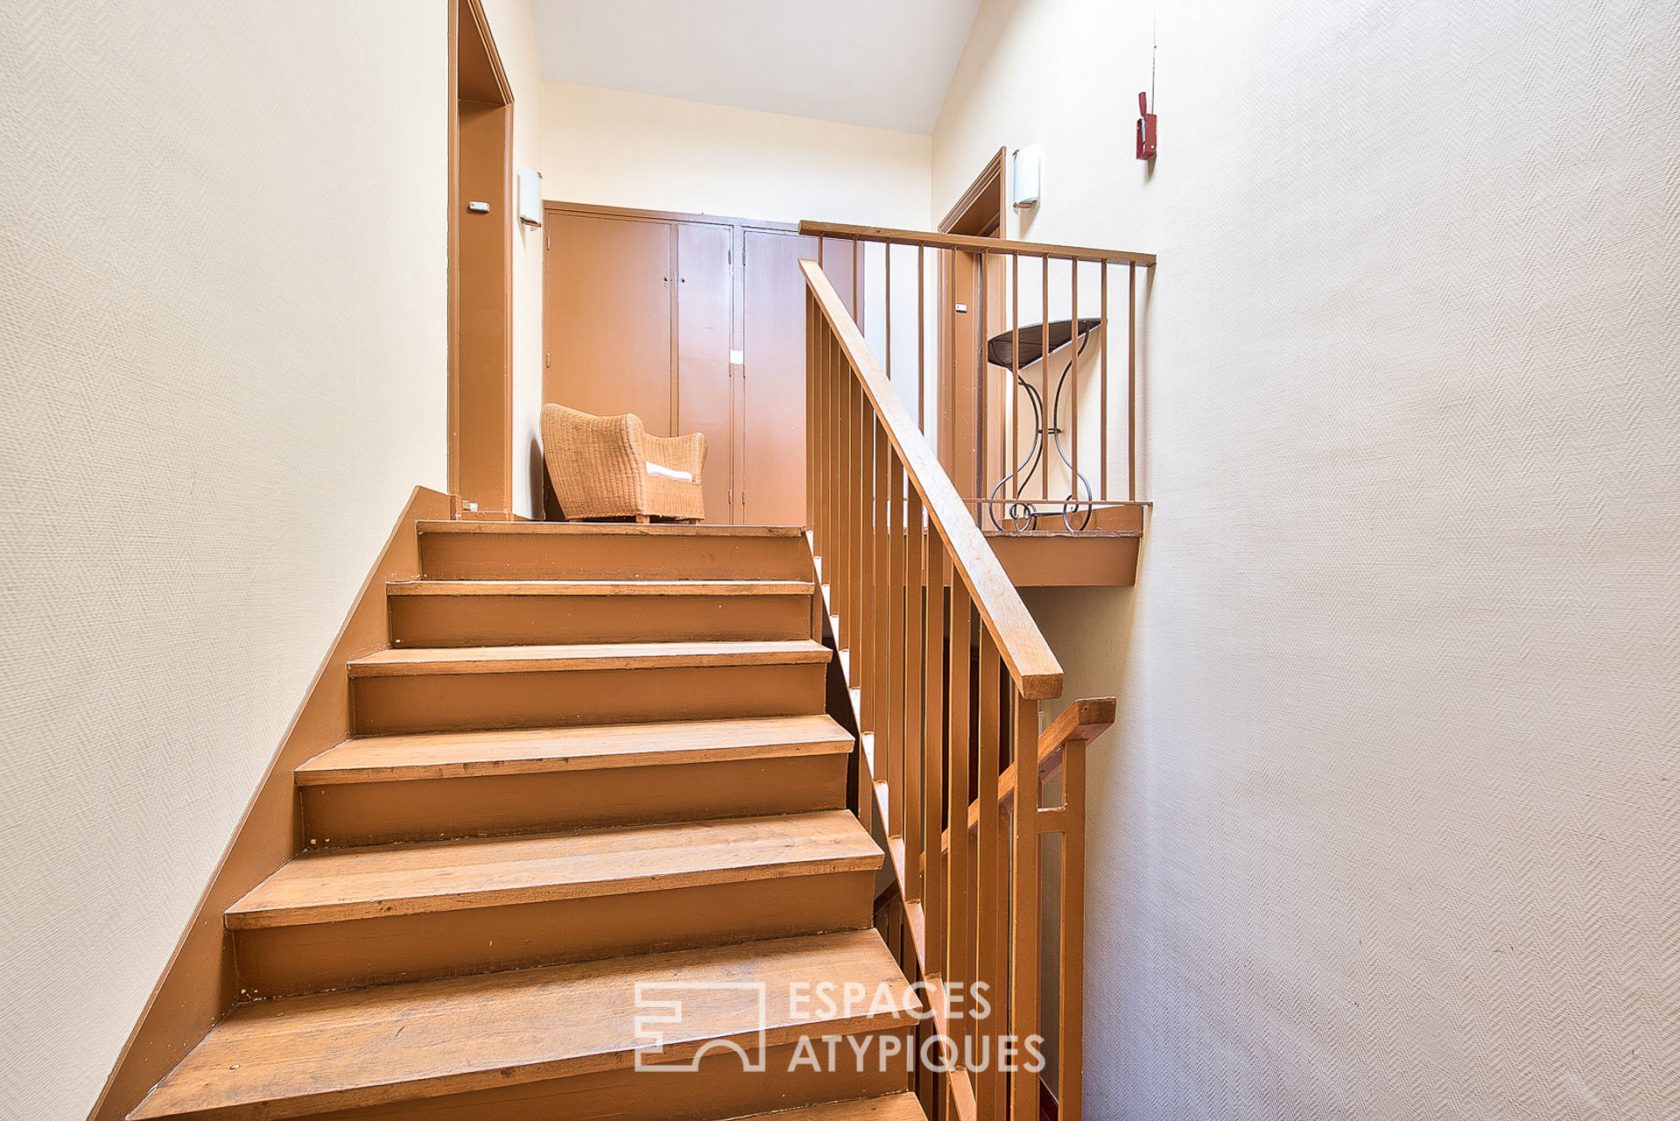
x=1145 y=129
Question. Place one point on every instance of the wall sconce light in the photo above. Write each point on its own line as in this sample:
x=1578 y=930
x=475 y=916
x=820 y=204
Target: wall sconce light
x=530 y=196
x=1026 y=174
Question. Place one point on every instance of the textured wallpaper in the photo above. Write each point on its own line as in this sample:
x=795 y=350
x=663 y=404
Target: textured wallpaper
x=222 y=352
x=1390 y=826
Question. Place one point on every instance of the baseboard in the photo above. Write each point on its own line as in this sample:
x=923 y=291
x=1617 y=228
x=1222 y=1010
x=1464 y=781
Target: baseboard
x=198 y=985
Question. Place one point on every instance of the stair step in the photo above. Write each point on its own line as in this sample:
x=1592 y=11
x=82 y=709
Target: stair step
x=573 y=551
x=410 y=879
x=543 y=750
x=586 y=656
x=355 y=917
x=410 y=1042
x=380 y=789
x=617 y=588
x=891 y=1107
x=509 y=612
x=447 y=689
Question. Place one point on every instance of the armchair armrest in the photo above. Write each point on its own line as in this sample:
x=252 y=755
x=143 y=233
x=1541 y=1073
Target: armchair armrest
x=679 y=453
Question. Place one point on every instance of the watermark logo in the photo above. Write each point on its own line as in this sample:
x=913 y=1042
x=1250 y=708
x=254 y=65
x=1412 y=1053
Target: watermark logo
x=660 y=1019
x=667 y=1040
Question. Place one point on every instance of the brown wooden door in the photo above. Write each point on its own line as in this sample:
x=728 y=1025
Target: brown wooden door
x=607 y=317
x=773 y=443
x=705 y=307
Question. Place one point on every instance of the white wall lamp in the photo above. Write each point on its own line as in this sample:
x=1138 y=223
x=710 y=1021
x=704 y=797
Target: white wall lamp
x=1026 y=173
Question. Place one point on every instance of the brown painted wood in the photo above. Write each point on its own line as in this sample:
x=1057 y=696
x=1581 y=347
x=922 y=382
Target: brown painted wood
x=542 y=750
x=975 y=244
x=1028 y=656
x=495 y=804
x=480 y=272
x=584 y=656
x=198 y=984
x=569 y=551
x=468 y=701
x=1068 y=560
x=456 y=875
x=981 y=210
x=705 y=402
x=720 y=1087
x=474 y=613
x=383 y=1045
x=774 y=343
x=608 y=317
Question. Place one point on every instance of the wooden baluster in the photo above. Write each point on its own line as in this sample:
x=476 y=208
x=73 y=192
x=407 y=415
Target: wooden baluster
x=1024 y=949
x=921 y=339
x=1071 y=1042
x=910 y=597
x=959 y=962
x=981 y=370
x=933 y=751
x=857 y=623
x=892 y=620
x=1014 y=374
x=1073 y=383
x=1131 y=385
x=989 y=862
x=886 y=254
x=1104 y=342
x=876 y=625
x=1044 y=384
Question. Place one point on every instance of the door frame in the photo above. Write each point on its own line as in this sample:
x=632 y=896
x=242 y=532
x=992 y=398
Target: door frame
x=981 y=211
x=480 y=403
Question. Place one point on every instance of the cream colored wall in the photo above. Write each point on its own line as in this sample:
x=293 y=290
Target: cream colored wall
x=222 y=295
x=1391 y=822
x=658 y=153
x=513 y=28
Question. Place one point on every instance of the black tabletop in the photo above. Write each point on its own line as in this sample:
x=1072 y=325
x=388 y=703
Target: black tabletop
x=1000 y=347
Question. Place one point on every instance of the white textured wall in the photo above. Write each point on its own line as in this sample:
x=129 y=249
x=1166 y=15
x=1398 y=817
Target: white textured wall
x=1390 y=827
x=513 y=28
x=222 y=299
x=659 y=153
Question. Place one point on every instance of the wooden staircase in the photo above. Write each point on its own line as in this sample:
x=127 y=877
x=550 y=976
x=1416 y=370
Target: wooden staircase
x=595 y=757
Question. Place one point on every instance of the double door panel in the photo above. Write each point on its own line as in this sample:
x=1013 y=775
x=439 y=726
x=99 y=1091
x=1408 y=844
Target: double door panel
x=696 y=325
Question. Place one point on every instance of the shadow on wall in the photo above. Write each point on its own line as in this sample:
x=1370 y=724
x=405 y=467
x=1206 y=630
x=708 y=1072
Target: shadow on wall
x=1090 y=631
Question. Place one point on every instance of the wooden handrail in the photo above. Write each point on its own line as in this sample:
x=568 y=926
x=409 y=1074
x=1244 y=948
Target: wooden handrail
x=1080 y=722
x=930 y=240
x=1032 y=665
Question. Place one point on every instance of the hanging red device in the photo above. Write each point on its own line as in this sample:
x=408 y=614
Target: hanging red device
x=1145 y=129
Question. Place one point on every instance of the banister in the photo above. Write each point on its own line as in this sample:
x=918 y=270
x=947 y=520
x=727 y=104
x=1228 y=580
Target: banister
x=1082 y=721
x=930 y=240
x=1031 y=664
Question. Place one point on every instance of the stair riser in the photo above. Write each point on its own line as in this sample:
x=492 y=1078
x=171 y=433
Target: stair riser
x=433 y=809
x=476 y=701
x=509 y=556
x=484 y=620
x=719 y=1088
x=289 y=960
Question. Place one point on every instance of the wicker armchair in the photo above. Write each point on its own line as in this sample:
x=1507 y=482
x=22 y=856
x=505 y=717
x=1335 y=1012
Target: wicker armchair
x=609 y=467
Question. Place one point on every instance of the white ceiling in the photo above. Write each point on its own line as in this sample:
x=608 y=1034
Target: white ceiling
x=885 y=63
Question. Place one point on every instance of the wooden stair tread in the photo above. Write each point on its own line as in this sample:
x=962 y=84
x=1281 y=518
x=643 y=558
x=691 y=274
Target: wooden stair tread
x=397 y=662
x=611 y=529
x=284 y=1058
x=455 y=875
x=587 y=747
x=892 y=1107
x=599 y=588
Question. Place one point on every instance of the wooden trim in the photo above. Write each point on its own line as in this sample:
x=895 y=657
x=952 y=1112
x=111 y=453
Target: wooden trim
x=983 y=209
x=197 y=986
x=976 y=244
x=1080 y=722
x=478 y=76
x=1032 y=665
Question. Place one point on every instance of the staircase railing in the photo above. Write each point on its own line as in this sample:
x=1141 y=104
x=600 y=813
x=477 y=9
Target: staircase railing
x=1019 y=361
x=947 y=670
